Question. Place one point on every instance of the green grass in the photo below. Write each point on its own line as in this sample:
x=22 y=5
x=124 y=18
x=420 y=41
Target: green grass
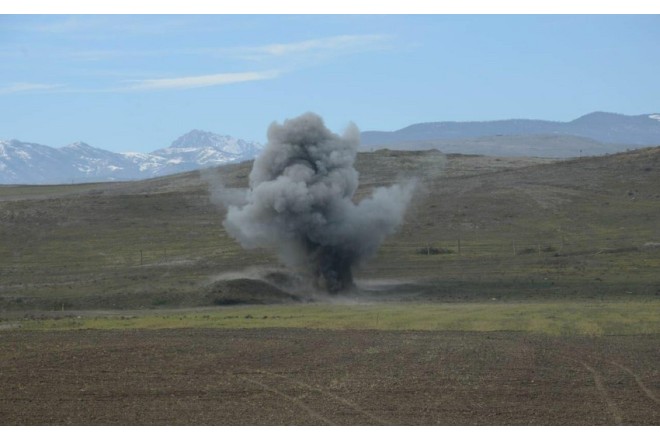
x=553 y=318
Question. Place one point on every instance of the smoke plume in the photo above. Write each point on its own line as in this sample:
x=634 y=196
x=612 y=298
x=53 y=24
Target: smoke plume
x=300 y=203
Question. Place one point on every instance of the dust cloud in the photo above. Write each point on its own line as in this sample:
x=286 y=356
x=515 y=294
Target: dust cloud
x=300 y=203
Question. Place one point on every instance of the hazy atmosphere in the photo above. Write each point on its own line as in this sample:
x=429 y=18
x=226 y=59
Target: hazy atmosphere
x=135 y=83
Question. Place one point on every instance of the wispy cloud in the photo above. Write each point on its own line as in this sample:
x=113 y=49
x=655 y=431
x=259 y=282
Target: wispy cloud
x=340 y=42
x=27 y=87
x=260 y=62
x=200 y=81
x=317 y=47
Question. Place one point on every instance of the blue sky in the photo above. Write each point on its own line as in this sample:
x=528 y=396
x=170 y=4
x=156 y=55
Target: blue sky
x=135 y=83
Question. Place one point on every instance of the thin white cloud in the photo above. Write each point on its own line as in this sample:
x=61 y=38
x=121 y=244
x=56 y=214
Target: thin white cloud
x=27 y=87
x=279 y=58
x=317 y=47
x=340 y=42
x=200 y=81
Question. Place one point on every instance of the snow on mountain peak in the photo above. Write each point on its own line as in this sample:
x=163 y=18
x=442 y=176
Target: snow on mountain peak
x=200 y=138
x=28 y=163
x=207 y=148
x=78 y=145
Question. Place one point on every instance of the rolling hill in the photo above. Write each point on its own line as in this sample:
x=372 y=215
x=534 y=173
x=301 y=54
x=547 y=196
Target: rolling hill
x=479 y=228
x=596 y=133
x=601 y=126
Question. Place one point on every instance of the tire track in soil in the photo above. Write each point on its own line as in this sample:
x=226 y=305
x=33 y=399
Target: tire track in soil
x=603 y=393
x=638 y=380
x=294 y=400
x=344 y=401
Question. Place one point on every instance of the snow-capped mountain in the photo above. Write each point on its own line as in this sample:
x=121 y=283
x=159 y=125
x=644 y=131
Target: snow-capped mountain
x=592 y=134
x=97 y=164
x=23 y=162
x=28 y=163
x=197 y=149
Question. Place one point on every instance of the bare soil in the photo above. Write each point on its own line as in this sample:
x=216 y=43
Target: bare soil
x=308 y=377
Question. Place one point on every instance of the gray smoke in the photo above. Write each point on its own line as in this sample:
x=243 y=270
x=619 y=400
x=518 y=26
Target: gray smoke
x=300 y=203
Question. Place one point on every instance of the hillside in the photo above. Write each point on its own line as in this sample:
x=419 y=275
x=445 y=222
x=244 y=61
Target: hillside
x=539 y=145
x=604 y=127
x=479 y=228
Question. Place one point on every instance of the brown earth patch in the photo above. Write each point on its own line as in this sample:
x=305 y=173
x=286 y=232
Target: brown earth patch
x=312 y=377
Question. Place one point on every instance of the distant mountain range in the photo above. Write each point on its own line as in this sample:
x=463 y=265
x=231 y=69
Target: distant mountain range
x=592 y=134
x=28 y=163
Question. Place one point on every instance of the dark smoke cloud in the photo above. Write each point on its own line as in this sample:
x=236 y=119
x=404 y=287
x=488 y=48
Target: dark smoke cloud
x=300 y=203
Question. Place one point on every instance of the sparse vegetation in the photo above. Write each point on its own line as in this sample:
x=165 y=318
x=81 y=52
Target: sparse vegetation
x=552 y=318
x=160 y=243
x=543 y=292
x=285 y=376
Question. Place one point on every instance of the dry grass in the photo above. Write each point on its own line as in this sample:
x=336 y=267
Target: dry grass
x=527 y=229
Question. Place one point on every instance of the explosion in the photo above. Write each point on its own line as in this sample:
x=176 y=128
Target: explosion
x=300 y=203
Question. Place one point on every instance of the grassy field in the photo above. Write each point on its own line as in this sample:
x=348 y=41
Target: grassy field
x=509 y=228
x=558 y=318
x=542 y=291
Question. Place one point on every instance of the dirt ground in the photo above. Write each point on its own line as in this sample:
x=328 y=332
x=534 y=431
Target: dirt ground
x=309 y=377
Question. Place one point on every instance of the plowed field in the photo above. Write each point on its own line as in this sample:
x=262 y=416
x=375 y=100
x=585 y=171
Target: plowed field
x=318 y=377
